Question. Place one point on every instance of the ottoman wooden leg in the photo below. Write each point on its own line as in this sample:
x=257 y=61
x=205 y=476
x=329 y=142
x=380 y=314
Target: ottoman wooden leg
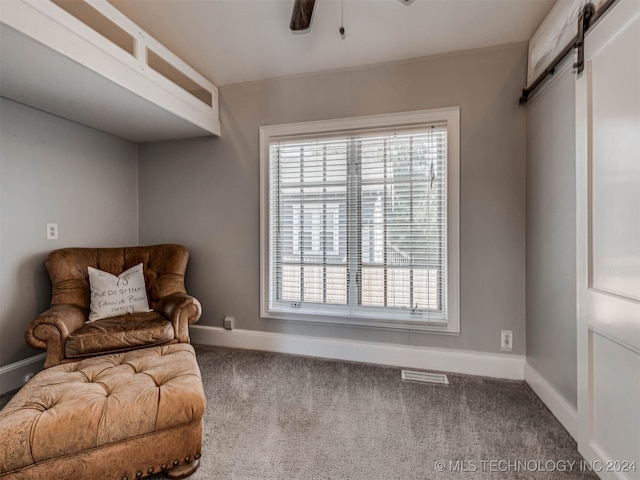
x=184 y=470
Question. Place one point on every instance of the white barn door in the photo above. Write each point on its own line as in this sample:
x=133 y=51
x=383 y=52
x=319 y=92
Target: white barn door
x=608 y=244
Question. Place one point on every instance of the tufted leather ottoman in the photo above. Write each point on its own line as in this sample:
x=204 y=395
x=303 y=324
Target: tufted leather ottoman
x=118 y=416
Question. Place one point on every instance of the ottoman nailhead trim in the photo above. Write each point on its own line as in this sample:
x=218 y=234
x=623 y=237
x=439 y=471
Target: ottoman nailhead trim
x=138 y=474
x=150 y=470
x=125 y=478
x=163 y=466
x=197 y=456
x=187 y=459
x=176 y=462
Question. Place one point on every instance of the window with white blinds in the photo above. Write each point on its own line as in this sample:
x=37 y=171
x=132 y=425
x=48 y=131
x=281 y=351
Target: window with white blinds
x=356 y=221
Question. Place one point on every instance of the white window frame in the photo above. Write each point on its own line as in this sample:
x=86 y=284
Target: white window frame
x=451 y=116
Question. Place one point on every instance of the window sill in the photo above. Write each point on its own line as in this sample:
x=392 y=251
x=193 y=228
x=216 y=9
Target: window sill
x=377 y=323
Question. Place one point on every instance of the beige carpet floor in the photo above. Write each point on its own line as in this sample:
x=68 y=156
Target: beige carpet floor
x=275 y=416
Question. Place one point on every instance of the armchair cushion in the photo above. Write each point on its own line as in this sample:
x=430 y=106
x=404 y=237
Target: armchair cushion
x=133 y=330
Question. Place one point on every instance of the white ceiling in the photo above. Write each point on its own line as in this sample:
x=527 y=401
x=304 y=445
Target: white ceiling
x=233 y=41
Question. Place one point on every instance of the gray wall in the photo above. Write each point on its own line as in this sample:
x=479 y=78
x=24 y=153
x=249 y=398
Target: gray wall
x=551 y=235
x=205 y=192
x=54 y=170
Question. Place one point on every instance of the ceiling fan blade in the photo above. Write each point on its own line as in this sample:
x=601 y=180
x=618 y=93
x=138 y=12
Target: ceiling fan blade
x=301 y=15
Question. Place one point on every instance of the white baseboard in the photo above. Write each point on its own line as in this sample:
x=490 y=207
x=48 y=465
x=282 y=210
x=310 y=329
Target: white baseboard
x=12 y=376
x=566 y=413
x=442 y=359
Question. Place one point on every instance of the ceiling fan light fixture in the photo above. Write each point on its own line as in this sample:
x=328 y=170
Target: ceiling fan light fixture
x=301 y=15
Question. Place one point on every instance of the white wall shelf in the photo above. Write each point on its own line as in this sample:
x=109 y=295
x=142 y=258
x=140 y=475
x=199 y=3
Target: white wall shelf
x=86 y=61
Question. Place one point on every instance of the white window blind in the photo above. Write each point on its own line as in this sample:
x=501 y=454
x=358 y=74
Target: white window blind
x=357 y=224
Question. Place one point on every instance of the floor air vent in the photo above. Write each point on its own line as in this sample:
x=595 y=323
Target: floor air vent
x=424 y=377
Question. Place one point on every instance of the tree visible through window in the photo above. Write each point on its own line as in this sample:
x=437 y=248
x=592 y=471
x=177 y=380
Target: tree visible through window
x=357 y=224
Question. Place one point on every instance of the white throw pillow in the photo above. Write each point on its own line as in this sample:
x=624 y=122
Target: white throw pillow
x=112 y=296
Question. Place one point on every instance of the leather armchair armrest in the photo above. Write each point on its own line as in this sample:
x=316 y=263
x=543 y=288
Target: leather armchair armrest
x=51 y=329
x=182 y=310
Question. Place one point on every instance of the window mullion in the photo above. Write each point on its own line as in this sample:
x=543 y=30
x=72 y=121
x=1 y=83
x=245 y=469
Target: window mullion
x=385 y=226
x=301 y=233
x=324 y=224
x=353 y=224
x=411 y=227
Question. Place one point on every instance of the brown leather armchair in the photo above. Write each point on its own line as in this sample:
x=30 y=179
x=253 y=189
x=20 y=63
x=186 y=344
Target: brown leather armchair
x=63 y=329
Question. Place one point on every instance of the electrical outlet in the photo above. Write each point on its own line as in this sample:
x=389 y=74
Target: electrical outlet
x=228 y=323
x=52 y=231
x=506 y=340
